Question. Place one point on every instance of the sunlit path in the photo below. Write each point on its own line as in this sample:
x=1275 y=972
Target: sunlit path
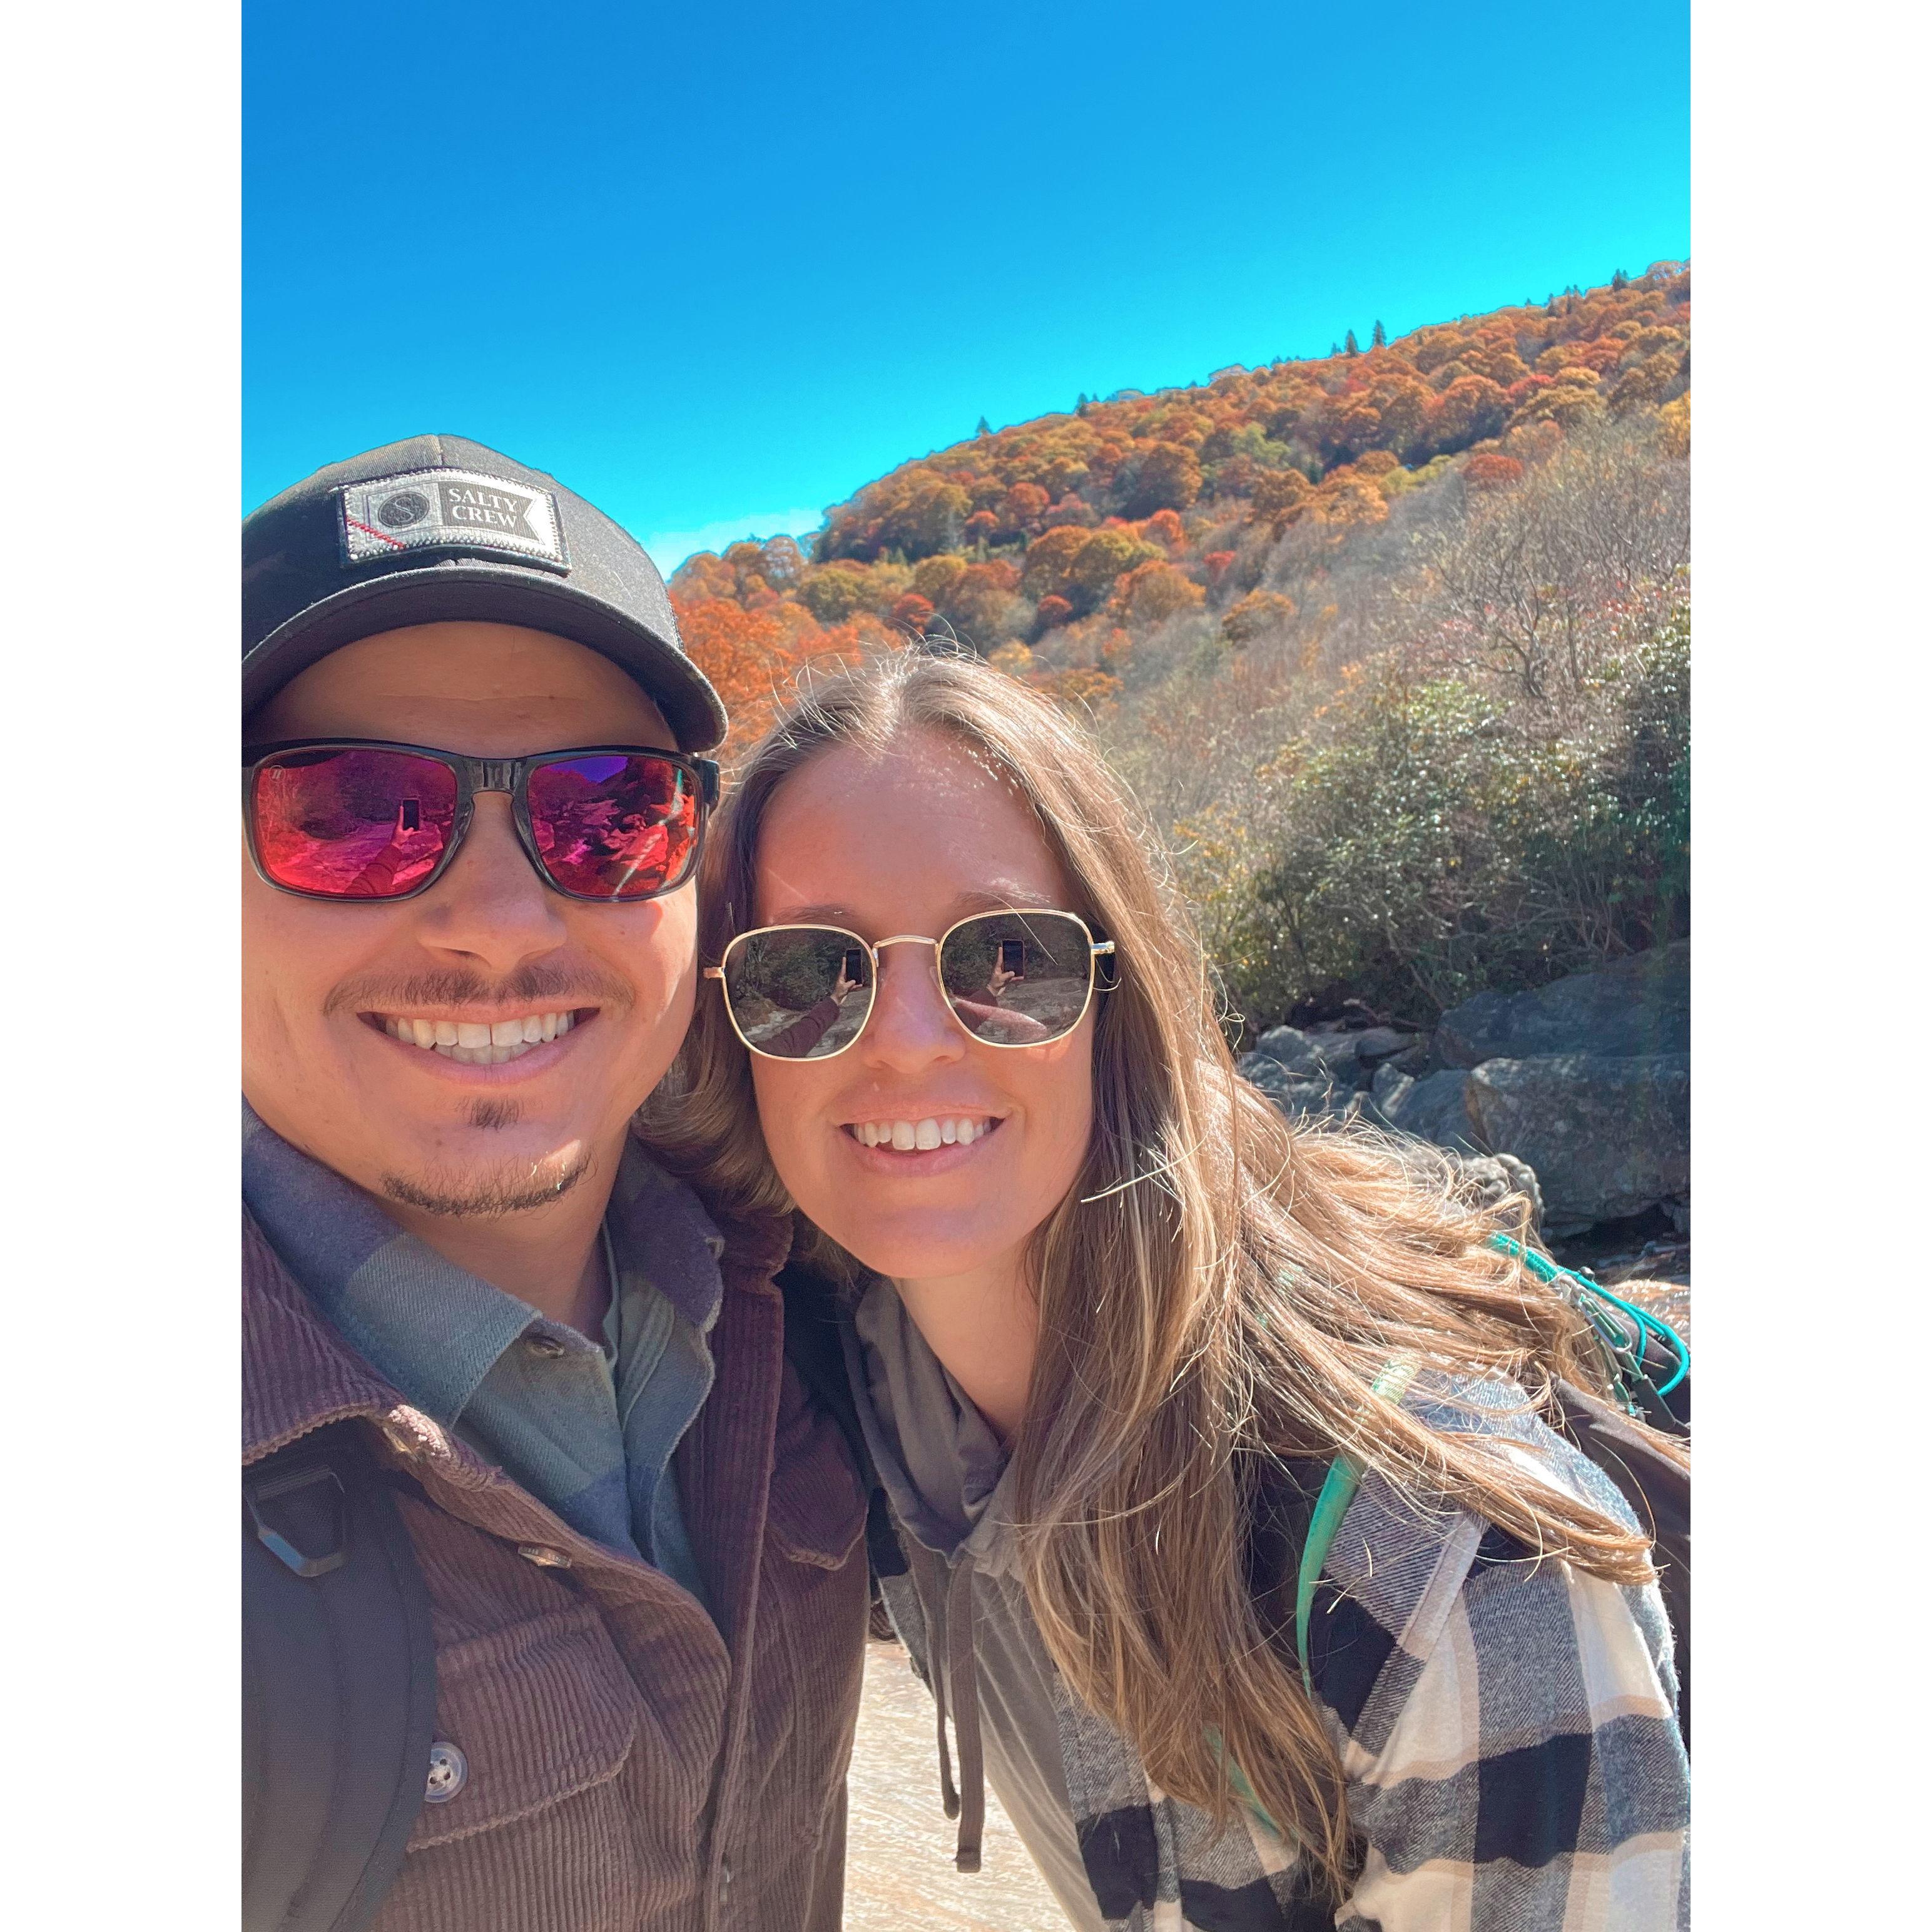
x=898 y=1870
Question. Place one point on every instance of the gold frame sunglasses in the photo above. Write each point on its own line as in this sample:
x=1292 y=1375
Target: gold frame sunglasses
x=850 y=943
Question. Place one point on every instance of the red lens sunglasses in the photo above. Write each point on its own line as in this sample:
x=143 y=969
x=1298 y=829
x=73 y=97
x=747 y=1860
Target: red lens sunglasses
x=358 y=818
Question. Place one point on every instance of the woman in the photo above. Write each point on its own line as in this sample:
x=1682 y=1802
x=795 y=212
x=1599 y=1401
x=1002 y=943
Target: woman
x=1108 y=1319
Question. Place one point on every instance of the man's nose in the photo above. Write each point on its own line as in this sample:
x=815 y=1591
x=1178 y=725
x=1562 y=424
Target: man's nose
x=911 y=1026
x=490 y=905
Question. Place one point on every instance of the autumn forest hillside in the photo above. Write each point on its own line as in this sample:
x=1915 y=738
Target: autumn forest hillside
x=1393 y=644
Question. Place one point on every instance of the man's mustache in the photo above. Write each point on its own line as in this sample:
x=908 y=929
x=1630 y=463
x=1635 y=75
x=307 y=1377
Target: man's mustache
x=541 y=986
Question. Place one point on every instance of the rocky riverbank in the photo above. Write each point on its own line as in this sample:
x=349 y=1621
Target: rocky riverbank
x=1577 y=1094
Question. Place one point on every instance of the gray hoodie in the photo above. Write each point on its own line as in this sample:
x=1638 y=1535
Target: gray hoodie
x=950 y=1486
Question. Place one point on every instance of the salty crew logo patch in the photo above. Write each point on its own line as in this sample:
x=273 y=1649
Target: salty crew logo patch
x=450 y=509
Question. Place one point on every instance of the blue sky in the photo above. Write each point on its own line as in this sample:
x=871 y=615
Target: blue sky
x=716 y=269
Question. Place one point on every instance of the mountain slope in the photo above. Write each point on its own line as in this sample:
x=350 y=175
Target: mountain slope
x=1055 y=545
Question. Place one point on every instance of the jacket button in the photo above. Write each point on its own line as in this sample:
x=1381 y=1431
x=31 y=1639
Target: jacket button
x=448 y=1772
x=549 y=1347
x=543 y=1556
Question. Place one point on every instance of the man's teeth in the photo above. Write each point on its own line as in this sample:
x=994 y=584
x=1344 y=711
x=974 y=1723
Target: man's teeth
x=476 y=1045
x=906 y=1136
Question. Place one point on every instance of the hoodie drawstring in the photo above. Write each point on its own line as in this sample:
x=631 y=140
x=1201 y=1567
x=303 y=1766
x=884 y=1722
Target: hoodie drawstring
x=949 y=1618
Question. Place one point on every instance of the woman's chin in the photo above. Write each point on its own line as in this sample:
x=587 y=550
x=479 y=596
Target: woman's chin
x=925 y=1254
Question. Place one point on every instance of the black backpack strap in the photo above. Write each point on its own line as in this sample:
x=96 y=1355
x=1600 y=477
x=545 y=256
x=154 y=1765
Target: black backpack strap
x=338 y=1699
x=1658 y=1491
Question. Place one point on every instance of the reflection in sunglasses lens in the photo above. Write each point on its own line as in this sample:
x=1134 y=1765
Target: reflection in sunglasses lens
x=612 y=827
x=799 y=992
x=1017 y=978
x=352 y=824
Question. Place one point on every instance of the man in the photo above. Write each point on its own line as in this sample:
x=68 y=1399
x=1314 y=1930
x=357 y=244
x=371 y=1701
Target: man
x=465 y=965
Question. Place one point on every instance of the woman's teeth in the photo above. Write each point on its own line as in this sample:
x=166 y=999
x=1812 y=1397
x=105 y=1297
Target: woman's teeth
x=907 y=1136
x=475 y=1044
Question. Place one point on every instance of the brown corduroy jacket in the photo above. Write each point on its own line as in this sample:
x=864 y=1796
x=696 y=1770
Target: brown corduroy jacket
x=632 y=1765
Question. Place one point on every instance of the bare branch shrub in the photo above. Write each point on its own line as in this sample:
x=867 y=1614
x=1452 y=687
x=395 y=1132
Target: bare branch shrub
x=1459 y=758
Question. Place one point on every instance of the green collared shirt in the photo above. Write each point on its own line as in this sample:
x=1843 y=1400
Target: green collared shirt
x=587 y=1429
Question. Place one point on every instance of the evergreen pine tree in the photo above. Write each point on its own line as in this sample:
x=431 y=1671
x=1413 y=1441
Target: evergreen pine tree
x=1378 y=337
x=985 y=429
x=1349 y=345
x=1620 y=280
x=1334 y=348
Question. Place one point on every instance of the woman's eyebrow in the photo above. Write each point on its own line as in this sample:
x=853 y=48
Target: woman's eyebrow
x=964 y=905
x=815 y=915
x=968 y=903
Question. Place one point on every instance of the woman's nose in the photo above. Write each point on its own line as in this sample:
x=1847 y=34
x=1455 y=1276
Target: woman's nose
x=911 y=1025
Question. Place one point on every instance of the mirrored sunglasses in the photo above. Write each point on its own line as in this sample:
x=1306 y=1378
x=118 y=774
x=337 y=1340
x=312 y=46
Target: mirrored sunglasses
x=360 y=819
x=1011 y=979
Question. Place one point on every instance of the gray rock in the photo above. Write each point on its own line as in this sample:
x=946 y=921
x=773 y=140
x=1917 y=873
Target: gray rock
x=1390 y=1082
x=1639 y=1005
x=1300 y=1097
x=1289 y=1047
x=1435 y=1108
x=1352 y=1056
x=1566 y=1231
x=1487 y=1181
x=1483 y=1178
x=1607 y=1136
x=1373 y=1045
x=1334 y=1046
x=1507 y=1175
x=1282 y=1084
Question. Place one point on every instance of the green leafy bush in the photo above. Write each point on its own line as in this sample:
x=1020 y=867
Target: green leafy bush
x=1425 y=837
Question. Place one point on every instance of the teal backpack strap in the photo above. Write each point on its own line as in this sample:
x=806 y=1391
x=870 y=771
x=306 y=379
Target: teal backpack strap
x=1331 y=1505
x=1625 y=1332
x=1338 y=1492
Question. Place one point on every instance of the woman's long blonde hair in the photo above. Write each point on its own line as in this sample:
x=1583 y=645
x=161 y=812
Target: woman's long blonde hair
x=1227 y=1300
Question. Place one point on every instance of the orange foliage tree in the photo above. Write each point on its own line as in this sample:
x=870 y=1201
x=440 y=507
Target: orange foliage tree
x=754 y=657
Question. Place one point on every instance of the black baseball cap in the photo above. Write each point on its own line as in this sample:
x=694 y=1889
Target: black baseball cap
x=437 y=528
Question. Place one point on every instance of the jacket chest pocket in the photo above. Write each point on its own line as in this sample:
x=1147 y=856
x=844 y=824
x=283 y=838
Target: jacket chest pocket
x=528 y=1718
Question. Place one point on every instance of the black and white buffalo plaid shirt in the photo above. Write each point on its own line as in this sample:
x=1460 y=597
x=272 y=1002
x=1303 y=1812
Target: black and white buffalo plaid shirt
x=1507 y=1727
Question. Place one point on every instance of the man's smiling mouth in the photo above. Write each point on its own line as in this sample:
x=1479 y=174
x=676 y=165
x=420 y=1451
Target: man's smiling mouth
x=479 y=1042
